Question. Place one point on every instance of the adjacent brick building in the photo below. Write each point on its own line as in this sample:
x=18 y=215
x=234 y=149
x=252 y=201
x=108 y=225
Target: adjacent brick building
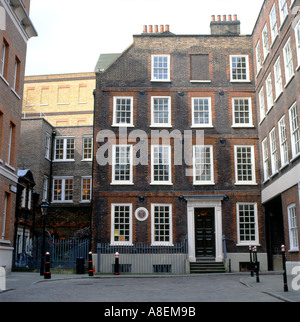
x=15 y=30
x=276 y=46
x=206 y=191
x=63 y=99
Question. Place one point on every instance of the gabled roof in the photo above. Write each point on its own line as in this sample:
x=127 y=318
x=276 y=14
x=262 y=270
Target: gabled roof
x=104 y=61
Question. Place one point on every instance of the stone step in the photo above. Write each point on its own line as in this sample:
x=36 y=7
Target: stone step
x=207 y=267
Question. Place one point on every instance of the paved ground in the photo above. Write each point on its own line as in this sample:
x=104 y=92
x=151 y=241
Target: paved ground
x=31 y=287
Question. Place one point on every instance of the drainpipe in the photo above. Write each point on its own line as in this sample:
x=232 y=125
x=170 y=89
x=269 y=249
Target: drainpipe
x=51 y=166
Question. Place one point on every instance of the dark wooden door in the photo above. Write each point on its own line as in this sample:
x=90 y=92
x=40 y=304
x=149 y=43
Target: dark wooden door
x=205 y=232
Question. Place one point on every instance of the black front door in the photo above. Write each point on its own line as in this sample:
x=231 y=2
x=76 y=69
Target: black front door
x=205 y=232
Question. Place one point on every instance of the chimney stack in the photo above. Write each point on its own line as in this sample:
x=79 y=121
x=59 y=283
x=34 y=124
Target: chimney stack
x=226 y=26
x=149 y=29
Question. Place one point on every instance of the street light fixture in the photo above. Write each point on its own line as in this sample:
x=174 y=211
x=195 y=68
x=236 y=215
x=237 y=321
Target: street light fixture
x=44 y=210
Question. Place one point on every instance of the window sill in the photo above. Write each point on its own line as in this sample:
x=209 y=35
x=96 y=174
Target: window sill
x=248 y=244
x=240 y=81
x=202 y=126
x=203 y=183
x=200 y=81
x=121 y=183
x=71 y=160
x=122 y=125
x=16 y=94
x=61 y=202
x=293 y=250
x=277 y=98
x=242 y=126
x=295 y=157
x=160 y=80
x=289 y=81
x=161 y=183
x=10 y=167
x=4 y=80
x=246 y=184
x=161 y=125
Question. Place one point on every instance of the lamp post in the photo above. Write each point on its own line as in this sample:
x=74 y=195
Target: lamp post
x=44 y=210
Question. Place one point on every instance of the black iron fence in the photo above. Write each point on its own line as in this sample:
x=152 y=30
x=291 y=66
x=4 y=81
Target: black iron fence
x=143 y=258
x=63 y=253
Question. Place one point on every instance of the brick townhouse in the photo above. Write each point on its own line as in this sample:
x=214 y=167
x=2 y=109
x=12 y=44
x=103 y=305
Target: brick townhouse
x=60 y=158
x=206 y=192
x=276 y=47
x=16 y=29
x=56 y=145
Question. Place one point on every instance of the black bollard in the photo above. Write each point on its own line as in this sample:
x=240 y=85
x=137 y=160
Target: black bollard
x=251 y=262
x=91 y=271
x=116 y=263
x=285 y=285
x=256 y=263
x=47 y=273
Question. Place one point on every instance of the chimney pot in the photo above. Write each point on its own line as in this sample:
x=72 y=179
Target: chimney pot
x=230 y=17
x=213 y=18
x=219 y=18
x=167 y=28
x=161 y=29
x=145 y=28
x=150 y=28
x=224 y=18
x=155 y=28
x=235 y=17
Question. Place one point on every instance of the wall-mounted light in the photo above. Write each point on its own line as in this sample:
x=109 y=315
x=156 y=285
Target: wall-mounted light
x=221 y=93
x=222 y=140
x=142 y=92
x=141 y=198
x=181 y=93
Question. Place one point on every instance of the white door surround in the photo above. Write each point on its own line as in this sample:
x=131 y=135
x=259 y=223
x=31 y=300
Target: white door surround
x=211 y=201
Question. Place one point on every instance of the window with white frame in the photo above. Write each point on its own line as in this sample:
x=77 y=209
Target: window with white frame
x=87 y=143
x=203 y=164
x=64 y=149
x=273 y=23
x=293 y=229
x=47 y=145
x=161 y=222
x=239 y=68
x=63 y=189
x=265 y=40
x=161 y=164
x=258 y=57
x=10 y=143
x=269 y=89
x=45 y=188
x=201 y=112
x=283 y=10
x=288 y=61
x=122 y=164
x=123 y=111
x=23 y=198
x=4 y=215
x=265 y=155
x=242 y=112
x=294 y=129
x=278 y=78
x=160 y=68
x=297 y=35
x=161 y=111
x=273 y=150
x=244 y=165
x=4 y=57
x=86 y=189
x=262 y=107
x=247 y=223
x=121 y=224
x=283 y=142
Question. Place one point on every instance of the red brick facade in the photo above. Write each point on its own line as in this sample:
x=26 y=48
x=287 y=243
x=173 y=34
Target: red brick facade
x=13 y=43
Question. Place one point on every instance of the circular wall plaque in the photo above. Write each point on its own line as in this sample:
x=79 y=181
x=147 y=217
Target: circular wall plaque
x=141 y=214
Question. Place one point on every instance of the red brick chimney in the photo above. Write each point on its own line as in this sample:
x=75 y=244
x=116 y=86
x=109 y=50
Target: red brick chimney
x=226 y=26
